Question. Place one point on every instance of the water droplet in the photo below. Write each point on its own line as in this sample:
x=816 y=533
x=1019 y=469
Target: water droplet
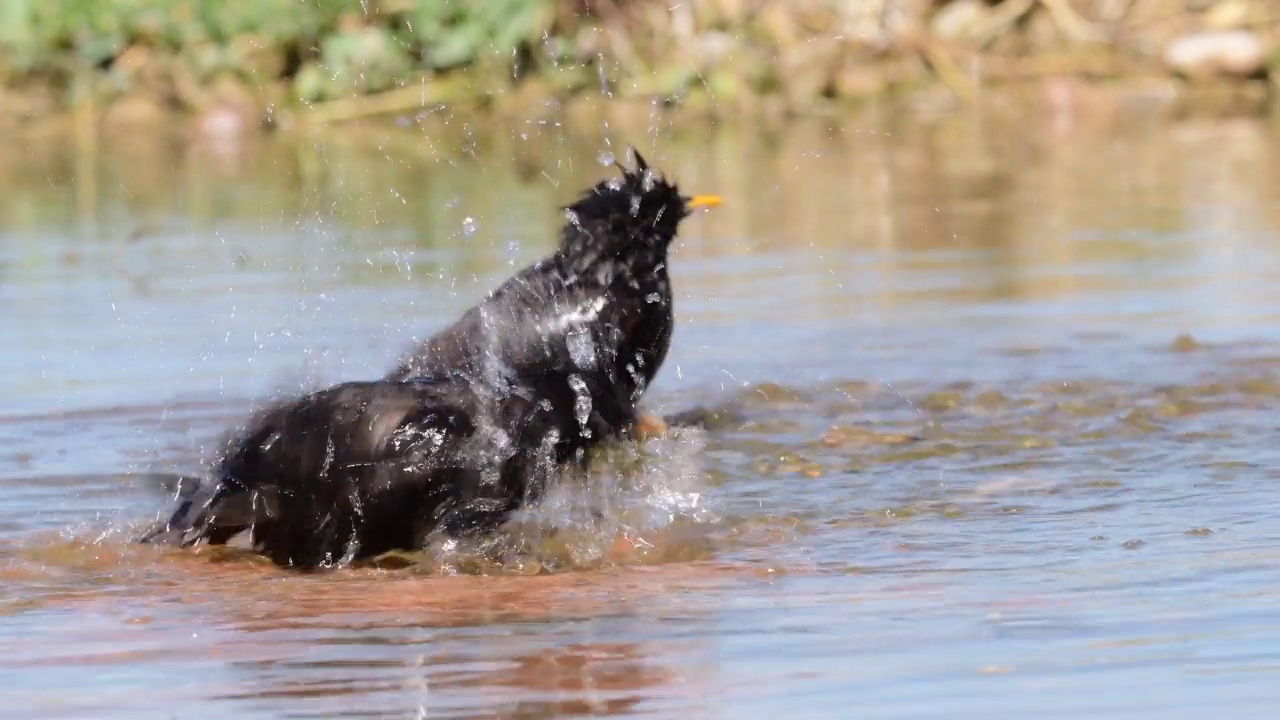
x=604 y=81
x=605 y=158
x=469 y=226
x=582 y=404
x=581 y=348
x=652 y=298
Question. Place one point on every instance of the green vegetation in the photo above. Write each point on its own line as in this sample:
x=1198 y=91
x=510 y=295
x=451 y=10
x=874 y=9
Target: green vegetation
x=794 y=53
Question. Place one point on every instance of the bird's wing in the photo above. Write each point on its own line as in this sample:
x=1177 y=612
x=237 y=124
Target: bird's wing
x=344 y=434
x=553 y=322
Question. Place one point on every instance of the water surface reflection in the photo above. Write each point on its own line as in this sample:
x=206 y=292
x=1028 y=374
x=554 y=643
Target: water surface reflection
x=989 y=404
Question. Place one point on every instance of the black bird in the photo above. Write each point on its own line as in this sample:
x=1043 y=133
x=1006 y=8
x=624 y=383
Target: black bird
x=476 y=421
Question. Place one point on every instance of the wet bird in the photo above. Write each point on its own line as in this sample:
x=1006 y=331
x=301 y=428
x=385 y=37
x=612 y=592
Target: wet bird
x=476 y=421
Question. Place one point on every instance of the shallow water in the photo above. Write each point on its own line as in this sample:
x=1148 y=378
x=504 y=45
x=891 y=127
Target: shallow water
x=988 y=405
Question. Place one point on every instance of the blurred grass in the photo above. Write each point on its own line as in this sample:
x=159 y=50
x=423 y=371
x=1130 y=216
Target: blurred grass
x=47 y=36
x=801 y=51
x=41 y=36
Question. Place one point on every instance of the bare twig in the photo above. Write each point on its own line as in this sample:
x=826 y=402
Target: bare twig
x=404 y=99
x=1070 y=22
x=943 y=65
x=1000 y=20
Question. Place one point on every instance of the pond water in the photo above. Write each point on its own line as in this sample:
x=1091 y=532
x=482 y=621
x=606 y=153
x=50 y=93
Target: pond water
x=988 y=404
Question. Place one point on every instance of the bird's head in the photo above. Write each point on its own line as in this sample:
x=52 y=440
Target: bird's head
x=639 y=210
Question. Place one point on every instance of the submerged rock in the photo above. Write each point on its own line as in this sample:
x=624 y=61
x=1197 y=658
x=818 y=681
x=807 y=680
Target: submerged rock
x=843 y=435
x=1228 y=53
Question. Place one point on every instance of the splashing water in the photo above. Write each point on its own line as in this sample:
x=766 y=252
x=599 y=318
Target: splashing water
x=636 y=504
x=512 y=250
x=583 y=351
x=582 y=404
